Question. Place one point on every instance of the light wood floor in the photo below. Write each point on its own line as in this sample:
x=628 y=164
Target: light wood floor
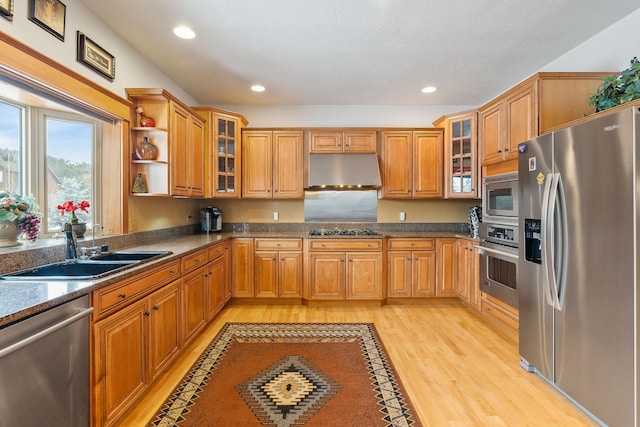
x=457 y=370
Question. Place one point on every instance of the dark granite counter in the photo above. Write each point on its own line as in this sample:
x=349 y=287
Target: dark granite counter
x=21 y=299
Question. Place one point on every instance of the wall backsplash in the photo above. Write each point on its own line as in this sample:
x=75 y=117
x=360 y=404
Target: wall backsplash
x=292 y=211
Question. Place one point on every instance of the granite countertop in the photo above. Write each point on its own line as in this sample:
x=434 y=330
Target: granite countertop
x=21 y=299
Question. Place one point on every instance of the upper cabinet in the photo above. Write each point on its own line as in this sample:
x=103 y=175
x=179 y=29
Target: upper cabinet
x=461 y=171
x=223 y=152
x=272 y=165
x=177 y=167
x=342 y=141
x=411 y=163
x=533 y=107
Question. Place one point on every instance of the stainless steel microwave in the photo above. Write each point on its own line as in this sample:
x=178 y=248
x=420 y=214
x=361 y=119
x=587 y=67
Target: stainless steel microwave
x=500 y=198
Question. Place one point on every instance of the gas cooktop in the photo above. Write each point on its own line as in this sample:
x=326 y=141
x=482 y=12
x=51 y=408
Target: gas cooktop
x=343 y=232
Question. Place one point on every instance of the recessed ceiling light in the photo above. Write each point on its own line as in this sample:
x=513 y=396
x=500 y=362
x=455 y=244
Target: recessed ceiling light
x=257 y=88
x=184 y=32
x=429 y=89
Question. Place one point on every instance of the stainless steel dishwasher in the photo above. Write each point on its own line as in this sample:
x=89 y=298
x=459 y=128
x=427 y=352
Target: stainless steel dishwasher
x=44 y=368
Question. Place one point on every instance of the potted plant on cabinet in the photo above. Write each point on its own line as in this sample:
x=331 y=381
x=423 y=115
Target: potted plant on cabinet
x=618 y=89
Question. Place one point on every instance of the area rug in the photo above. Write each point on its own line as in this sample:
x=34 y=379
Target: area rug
x=291 y=374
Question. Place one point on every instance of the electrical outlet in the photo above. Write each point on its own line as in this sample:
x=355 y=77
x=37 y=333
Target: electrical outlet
x=189 y=218
x=276 y=216
x=402 y=216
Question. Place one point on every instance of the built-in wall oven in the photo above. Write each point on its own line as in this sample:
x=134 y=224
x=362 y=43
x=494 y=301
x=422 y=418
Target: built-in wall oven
x=499 y=238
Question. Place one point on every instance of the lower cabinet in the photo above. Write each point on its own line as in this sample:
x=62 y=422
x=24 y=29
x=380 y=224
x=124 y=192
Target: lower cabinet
x=131 y=348
x=142 y=324
x=447 y=270
x=277 y=268
x=194 y=289
x=242 y=267
x=412 y=268
x=348 y=269
x=468 y=273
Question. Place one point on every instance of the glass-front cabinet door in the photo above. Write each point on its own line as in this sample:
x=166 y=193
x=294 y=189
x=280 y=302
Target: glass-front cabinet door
x=228 y=157
x=461 y=161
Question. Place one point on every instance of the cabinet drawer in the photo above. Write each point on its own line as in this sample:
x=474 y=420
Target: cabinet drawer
x=215 y=251
x=410 y=244
x=122 y=293
x=194 y=260
x=278 y=244
x=345 y=244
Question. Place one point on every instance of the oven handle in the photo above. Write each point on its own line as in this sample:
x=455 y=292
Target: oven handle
x=482 y=249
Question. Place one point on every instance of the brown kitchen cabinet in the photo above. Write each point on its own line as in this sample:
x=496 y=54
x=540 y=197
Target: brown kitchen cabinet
x=468 y=273
x=179 y=137
x=194 y=289
x=134 y=343
x=278 y=268
x=447 y=271
x=412 y=163
x=218 y=289
x=242 y=267
x=412 y=268
x=342 y=141
x=223 y=152
x=346 y=269
x=461 y=166
x=272 y=164
x=531 y=108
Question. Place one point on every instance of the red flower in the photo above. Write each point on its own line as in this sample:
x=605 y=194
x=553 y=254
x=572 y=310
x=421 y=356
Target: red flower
x=70 y=206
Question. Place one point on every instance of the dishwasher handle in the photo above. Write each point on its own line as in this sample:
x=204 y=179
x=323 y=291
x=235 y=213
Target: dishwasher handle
x=43 y=333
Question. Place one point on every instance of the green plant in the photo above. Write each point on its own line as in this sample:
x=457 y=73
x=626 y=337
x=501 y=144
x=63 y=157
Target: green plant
x=618 y=89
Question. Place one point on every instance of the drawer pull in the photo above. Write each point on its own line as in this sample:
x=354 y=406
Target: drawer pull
x=172 y=271
x=123 y=296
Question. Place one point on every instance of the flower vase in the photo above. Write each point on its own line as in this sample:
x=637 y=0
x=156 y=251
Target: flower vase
x=145 y=150
x=146 y=121
x=79 y=228
x=9 y=232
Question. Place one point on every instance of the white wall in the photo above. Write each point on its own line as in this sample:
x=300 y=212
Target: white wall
x=609 y=50
x=132 y=70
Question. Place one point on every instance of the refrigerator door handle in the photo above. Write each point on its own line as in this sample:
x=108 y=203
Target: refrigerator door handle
x=556 y=242
x=545 y=239
x=561 y=236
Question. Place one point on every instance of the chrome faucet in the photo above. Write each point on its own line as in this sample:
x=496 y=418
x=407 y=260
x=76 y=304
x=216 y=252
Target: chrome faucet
x=94 y=248
x=71 y=242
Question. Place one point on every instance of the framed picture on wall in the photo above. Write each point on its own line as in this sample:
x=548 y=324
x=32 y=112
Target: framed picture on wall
x=93 y=56
x=49 y=15
x=6 y=9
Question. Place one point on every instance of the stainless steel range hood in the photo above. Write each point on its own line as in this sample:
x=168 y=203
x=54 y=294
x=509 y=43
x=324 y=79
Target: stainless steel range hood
x=343 y=171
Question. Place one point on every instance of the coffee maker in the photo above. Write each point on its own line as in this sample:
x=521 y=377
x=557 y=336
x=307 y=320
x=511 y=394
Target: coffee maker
x=210 y=219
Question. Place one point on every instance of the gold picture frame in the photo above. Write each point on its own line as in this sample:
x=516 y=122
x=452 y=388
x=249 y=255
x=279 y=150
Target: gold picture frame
x=49 y=15
x=95 y=57
x=6 y=9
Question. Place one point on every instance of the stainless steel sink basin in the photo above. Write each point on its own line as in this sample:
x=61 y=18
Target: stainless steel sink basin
x=69 y=270
x=128 y=256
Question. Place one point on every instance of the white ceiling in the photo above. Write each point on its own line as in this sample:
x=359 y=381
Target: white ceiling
x=357 y=52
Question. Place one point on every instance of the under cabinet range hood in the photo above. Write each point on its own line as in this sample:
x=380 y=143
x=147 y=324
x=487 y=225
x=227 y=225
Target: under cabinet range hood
x=343 y=171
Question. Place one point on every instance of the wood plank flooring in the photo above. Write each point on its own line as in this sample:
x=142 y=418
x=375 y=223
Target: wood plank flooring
x=457 y=370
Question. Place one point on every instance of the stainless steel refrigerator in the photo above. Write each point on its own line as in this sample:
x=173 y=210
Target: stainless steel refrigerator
x=577 y=274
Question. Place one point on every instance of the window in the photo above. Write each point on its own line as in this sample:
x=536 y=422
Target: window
x=51 y=155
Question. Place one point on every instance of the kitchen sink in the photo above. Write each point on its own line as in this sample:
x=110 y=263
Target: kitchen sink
x=69 y=270
x=96 y=267
x=128 y=256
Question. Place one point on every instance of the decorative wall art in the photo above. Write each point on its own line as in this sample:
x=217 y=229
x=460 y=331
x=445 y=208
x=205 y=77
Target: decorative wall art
x=93 y=56
x=6 y=9
x=48 y=14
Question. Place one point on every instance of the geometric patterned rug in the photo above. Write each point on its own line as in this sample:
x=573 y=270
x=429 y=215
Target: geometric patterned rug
x=291 y=374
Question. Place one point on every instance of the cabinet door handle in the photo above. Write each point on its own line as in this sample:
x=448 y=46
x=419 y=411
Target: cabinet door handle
x=123 y=296
x=156 y=308
x=499 y=151
x=147 y=314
